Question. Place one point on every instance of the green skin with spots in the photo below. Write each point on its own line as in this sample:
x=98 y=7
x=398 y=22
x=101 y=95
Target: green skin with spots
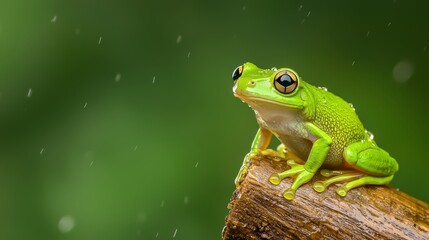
x=314 y=125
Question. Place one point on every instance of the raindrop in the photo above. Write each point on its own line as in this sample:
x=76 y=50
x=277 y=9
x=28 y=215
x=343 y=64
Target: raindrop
x=244 y=8
x=135 y=148
x=179 y=39
x=117 y=77
x=153 y=79
x=324 y=89
x=157 y=234
x=186 y=200
x=162 y=203
x=92 y=163
x=403 y=71
x=99 y=40
x=175 y=232
x=323 y=100
x=370 y=135
x=308 y=14
x=353 y=63
x=189 y=54
x=426 y=47
x=274 y=69
x=30 y=92
x=300 y=8
x=367 y=34
x=84 y=106
x=196 y=164
x=41 y=151
x=390 y=23
x=351 y=105
x=77 y=31
x=54 y=19
x=66 y=224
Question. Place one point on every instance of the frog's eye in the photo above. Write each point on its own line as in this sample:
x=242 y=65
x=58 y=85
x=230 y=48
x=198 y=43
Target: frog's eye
x=237 y=73
x=285 y=82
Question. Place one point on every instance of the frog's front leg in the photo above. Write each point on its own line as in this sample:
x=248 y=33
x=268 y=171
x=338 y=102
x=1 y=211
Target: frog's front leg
x=373 y=166
x=260 y=143
x=303 y=173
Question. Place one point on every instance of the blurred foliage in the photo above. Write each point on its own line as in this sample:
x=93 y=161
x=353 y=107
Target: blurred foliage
x=118 y=121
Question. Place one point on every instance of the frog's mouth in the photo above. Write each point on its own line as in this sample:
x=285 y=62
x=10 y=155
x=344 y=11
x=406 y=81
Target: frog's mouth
x=255 y=101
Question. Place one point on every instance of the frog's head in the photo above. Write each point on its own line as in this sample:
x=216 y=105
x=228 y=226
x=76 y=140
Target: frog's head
x=260 y=87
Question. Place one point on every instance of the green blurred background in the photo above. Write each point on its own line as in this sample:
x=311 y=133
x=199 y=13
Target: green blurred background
x=118 y=120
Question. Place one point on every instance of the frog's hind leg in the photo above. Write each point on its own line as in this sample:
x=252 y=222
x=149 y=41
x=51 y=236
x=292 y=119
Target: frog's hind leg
x=342 y=191
x=373 y=166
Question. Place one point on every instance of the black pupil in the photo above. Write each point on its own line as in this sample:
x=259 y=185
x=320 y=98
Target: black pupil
x=285 y=80
x=236 y=74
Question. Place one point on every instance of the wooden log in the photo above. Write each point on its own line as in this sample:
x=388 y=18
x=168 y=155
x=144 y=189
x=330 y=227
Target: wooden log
x=259 y=211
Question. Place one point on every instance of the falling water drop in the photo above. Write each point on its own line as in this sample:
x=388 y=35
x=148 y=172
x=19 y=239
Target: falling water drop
x=99 y=40
x=30 y=92
x=54 y=19
x=153 y=80
x=179 y=39
x=117 y=77
x=324 y=89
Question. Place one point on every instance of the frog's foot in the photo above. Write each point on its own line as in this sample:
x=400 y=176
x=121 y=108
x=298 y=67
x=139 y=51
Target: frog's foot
x=353 y=178
x=342 y=191
x=335 y=176
x=269 y=152
x=244 y=167
x=298 y=172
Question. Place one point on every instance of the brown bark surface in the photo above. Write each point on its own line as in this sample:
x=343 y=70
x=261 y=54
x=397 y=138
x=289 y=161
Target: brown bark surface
x=259 y=211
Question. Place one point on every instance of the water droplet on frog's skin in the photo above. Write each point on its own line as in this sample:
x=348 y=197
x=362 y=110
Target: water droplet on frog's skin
x=323 y=100
x=274 y=69
x=370 y=135
x=351 y=105
x=324 y=89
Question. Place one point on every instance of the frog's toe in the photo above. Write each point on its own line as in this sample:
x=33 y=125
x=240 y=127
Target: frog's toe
x=275 y=179
x=319 y=186
x=291 y=163
x=342 y=191
x=289 y=194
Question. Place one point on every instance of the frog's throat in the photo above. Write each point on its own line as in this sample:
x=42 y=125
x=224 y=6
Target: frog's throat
x=252 y=100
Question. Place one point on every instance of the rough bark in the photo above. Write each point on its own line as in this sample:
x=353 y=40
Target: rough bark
x=259 y=211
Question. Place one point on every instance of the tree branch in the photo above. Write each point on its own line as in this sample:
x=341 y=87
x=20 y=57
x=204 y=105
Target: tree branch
x=259 y=211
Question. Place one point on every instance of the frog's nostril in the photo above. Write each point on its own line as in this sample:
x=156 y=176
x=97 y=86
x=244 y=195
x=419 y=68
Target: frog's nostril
x=251 y=83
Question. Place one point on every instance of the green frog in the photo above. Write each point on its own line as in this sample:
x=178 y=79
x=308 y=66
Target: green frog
x=313 y=125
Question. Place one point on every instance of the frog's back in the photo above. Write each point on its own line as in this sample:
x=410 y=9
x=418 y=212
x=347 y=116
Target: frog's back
x=338 y=119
